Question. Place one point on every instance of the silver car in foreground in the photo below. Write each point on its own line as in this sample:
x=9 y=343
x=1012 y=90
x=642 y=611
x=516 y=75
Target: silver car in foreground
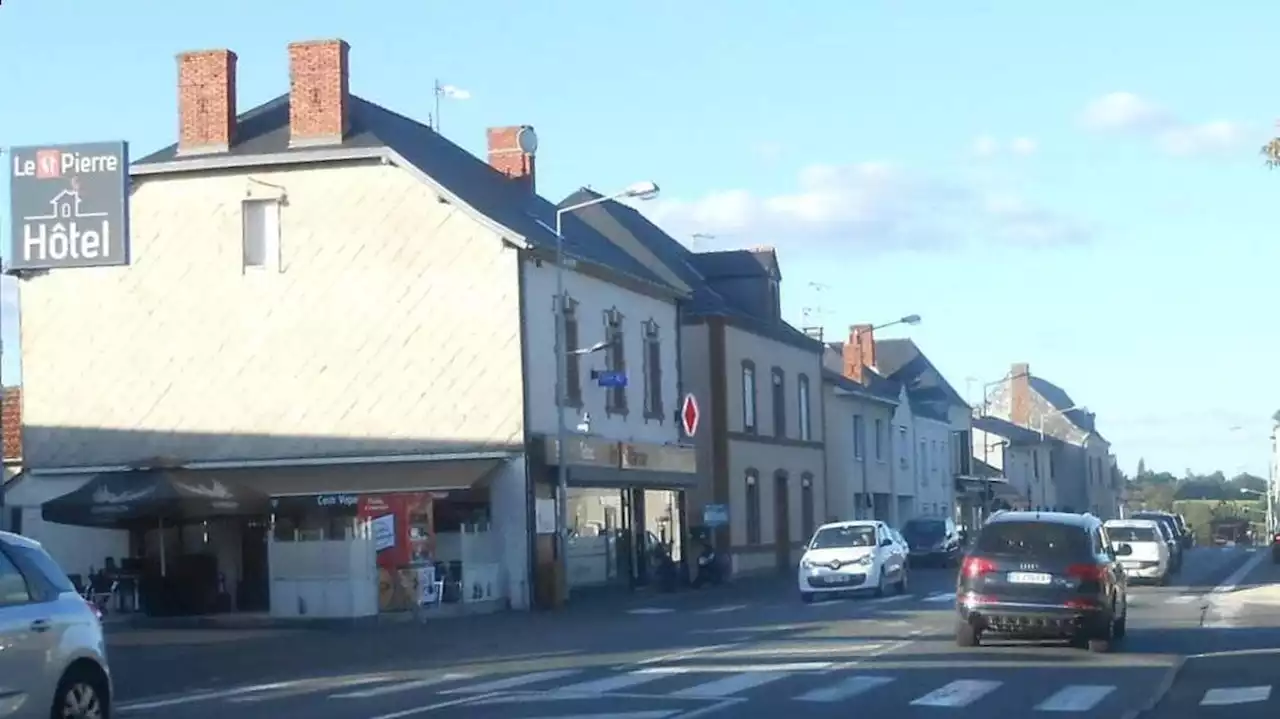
x=53 y=660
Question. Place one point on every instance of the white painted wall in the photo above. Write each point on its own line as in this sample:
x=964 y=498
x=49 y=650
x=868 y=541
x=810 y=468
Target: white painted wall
x=935 y=486
x=508 y=507
x=594 y=297
x=391 y=325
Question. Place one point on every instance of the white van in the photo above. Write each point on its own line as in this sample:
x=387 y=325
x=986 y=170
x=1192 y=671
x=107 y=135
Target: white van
x=1151 y=556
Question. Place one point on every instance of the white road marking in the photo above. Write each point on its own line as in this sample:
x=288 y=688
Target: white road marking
x=1182 y=599
x=682 y=654
x=653 y=714
x=1076 y=698
x=960 y=693
x=516 y=681
x=888 y=599
x=610 y=684
x=650 y=610
x=724 y=610
x=206 y=696
x=431 y=707
x=1235 y=695
x=401 y=687
x=309 y=687
x=941 y=597
x=1232 y=582
x=851 y=687
x=823 y=649
x=738 y=668
x=819 y=602
x=730 y=685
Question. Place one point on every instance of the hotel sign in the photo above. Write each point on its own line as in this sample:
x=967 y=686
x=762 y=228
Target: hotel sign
x=69 y=206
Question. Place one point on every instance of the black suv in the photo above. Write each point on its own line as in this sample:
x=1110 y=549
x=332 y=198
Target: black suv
x=932 y=540
x=1043 y=575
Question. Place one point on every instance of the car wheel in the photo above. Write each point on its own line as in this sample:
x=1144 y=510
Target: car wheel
x=807 y=597
x=1121 y=625
x=81 y=694
x=966 y=635
x=901 y=587
x=880 y=589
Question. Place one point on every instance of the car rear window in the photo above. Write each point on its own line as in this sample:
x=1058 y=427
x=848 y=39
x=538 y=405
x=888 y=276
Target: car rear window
x=43 y=563
x=1132 y=534
x=1166 y=522
x=925 y=529
x=1033 y=539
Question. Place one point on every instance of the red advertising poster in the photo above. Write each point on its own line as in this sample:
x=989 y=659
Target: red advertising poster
x=403 y=534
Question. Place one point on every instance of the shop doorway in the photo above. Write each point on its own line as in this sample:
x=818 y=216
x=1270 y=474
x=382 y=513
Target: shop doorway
x=782 y=520
x=253 y=591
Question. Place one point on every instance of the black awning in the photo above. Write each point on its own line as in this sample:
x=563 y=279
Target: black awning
x=144 y=497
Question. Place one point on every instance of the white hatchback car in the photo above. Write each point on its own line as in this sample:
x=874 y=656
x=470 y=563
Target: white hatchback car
x=1151 y=557
x=852 y=556
x=54 y=659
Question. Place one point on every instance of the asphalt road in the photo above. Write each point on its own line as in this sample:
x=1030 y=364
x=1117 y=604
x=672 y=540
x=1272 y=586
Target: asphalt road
x=753 y=652
x=1233 y=672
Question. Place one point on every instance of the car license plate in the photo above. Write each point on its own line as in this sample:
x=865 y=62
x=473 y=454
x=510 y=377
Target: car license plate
x=1029 y=578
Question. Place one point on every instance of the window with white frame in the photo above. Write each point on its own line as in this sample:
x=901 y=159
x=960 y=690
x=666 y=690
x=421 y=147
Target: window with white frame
x=615 y=400
x=652 y=372
x=261 y=233
x=748 y=397
x=806 y=428
x=859 y=437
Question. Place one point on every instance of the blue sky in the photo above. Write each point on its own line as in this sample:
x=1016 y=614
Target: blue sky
x=1073 y=186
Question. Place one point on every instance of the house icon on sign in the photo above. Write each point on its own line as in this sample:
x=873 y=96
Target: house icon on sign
x=66 y=206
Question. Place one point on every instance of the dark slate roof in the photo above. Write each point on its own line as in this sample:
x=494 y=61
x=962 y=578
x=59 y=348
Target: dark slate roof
x=1008 y=430
x=264 y=131
x=661 y=254
x=879 y=388
x=925 y=408
x=901 y=360
x=1058 y=397
x=731 y=264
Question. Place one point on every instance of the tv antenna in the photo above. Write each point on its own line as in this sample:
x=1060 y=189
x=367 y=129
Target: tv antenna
x=451 y=92
x=811 y=316
x=697 y=237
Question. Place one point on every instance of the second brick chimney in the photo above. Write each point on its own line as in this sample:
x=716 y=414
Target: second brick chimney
x=511 y=152
x=1020 y=394
x=319 y=92
x=859 y=351
x=206 y=101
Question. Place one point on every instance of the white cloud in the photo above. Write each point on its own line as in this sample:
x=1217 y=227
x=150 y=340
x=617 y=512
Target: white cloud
x=1126 y=112
x=1024 y=146
x=1123 y=111
x=986 y=146
x=868 y=207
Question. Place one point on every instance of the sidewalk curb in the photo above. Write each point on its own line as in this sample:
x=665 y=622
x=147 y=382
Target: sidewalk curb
x=1161 y=690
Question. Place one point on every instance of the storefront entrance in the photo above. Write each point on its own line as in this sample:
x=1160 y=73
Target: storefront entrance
x=618 y=537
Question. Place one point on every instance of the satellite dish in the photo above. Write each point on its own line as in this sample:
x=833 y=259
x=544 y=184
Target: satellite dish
x=527 y=139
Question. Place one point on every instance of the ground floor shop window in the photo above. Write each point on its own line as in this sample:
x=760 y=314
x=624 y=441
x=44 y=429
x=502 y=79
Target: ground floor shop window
x=617 y=536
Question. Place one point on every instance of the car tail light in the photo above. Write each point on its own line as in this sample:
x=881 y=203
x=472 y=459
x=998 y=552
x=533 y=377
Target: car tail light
x=1081 y=604
x=977 y=566
x=1276 y=539
x=1086 y=572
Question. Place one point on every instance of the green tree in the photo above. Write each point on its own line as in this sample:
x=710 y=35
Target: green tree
x=1142 y=466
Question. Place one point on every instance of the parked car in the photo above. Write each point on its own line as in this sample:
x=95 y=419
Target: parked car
x=1043 y=575
x=1275 y=546
x=54 y=660
x=1169 y=526
x=1187 y=535
x=933 y=541
x=852 y=556
x=1151 y=557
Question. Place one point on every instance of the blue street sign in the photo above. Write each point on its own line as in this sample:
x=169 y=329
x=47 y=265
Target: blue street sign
x=715 y=515
x=611 y=378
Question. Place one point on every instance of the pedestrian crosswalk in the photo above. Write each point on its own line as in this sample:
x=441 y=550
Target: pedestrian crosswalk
x=1231 y=696
x=805 y=683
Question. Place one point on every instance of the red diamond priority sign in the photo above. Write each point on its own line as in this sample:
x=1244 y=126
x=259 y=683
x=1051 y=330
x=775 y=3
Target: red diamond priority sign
x=689 y=415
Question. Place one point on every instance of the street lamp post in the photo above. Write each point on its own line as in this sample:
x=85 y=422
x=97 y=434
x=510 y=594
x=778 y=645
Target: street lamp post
x=1271 y=484
x=639 y=191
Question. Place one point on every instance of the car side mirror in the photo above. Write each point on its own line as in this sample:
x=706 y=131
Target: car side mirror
x=1124 y=550
x=886 y=542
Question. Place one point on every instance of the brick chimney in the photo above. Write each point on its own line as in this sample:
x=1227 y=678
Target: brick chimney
x=859 y=351
x=1020 y=394
x=206 y=101
x=319 y=92
x=511 y=152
